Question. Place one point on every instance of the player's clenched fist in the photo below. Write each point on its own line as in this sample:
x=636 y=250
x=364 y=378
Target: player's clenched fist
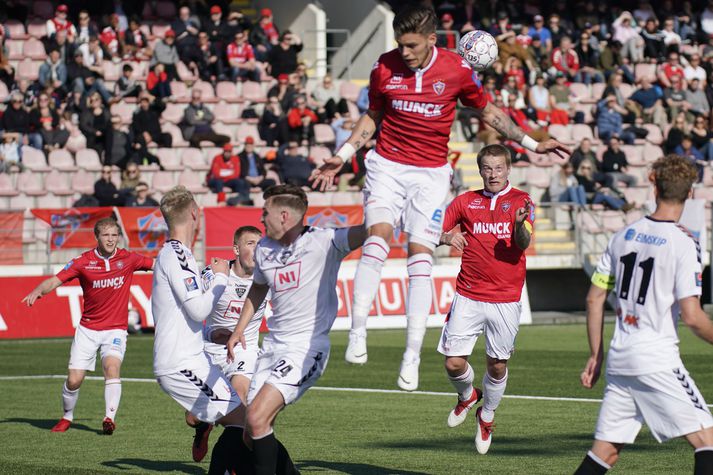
x=219 y=266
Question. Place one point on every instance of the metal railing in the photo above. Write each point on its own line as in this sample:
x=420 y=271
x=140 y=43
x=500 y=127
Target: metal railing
x=331 y=50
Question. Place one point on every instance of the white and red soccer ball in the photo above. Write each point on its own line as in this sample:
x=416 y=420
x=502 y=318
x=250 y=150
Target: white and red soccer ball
x=479 y=49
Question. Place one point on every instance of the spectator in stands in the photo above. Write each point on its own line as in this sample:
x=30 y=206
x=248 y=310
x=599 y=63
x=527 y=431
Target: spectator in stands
x=518 y=116
x=264 y=36
x=694 y=70
x=142 y=197
x=564 y=59
x=625 y=106
x=564 y=187
x=158 y=82
x=615 y=164
x=702 y=138
x=93 y=55
x=186 y=28
x=136 y=45
x=611 y=61
x=165 y=53
x=45 y=124
x=10 y=153
x=643 y=12
x=85 y=29
x=282 y=58
x=649 y=103
x=654 y=47
x=83 y=80
x=210 y=62
x=284 y=91
x=558 y=29
x=588 y=61
x=94 y=123
x=542 y=32
x=118 y=144
x=707 y=19
x=225 y=172
x=678 y=129
x=252 y=166
x=113 y=38
x=509 y=47
x=295 y=168
x=671 y=39
x=53 y=73
x=299 y=78
x=146 y=126
x=301 y=120
x=342 y=130
x=60 y=22
x=7 y=72
x=697 y=99
x=65 y=48
x=675 y=97
x=130 y=178
x=597 y=194
x=273 y=123
x=447 y=38
x=672 y=67
x=626 y=34
x=363 y=99
x=126 y=86
x=241 y=59
x=539 y=55
x=329 y=104
x=16 y=119
x=686 y=149
x=215 y=28
x=610 y=121
x=539 y=100
x=562 y=99
x=196 y=125
x=105 y=190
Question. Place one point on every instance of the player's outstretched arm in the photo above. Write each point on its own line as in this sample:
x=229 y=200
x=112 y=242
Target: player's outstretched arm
x=693 y=315
x=500 y=121
x=356 y=236
x=363 y=130
x=47 y=286
x=596 y=298
x=254 y=299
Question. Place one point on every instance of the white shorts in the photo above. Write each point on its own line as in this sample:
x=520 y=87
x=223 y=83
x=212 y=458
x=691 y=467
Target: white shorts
x=468 y=319
x=291 y=370
x=202 y=390
x=83 y=354
x=668 y=401
x=243 y=364
x=413 y=196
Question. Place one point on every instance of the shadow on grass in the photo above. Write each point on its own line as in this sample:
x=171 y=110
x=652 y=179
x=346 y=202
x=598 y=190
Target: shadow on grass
x=352 y=468
x=48 y=424
x=154 y=465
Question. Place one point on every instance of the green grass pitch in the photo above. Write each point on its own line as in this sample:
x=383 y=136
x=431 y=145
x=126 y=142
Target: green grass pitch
x=336 y=432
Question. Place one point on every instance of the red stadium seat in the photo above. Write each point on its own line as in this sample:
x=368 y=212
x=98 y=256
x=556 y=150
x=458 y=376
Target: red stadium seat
x=83 y=181
x=173 y=113
x=28 y=69
x=34 y=160
x=227 y=91
x=16 y=30
x=252 y=91
x=76 y=142
x=56 y=183
x=62 y=160
x=125 y=111
x=184 y=73
x=88 y=159
x=248 y=130
x=538 y=177
x=634 y=154
x=6 y=186
x=22 y=202
x=227 y=113
x=14 y=49
x=176 y=135
x=112 y=71
x=323 y=134
x=319 y=154
x=3 y=92
x=179 y=91
x=597 y=90
x=163 y=181
x=30 y=184
x=160 y=29
x=582 y=131
x=207 y=89
x=34 y=49
x=193 y=181
x=563 y=133
x=193 y=158
x=654 y=136
x=169 y=158
x=37 y=29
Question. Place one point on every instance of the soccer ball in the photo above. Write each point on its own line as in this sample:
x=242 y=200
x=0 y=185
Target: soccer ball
x=479 y=49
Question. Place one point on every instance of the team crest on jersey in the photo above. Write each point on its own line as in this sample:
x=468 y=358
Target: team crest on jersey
x=240 y=291
x=120 y=264
x=285 y=255
x=438 y=87
x=396 y=78
x=505 y=206
x=152 y=230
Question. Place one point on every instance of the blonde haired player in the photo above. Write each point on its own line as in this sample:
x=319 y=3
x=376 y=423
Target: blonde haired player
x=654 y=268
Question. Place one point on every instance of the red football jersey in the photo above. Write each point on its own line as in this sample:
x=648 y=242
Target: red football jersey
x=242 y=53
x=493 y=267
x=106 y=284
x=419 y=105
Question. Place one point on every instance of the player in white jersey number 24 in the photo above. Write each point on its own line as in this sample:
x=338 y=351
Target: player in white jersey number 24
x=299 y=264
x=654 y=268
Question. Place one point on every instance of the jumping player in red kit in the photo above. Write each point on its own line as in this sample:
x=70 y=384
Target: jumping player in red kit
x=412 y=94
x=496 y=225
x=105 y=275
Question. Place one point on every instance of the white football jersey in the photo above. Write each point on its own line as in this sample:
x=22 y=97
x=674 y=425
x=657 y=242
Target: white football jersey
x=179 y=308
x=226 y=312
x=650 y=265
x=303 y=279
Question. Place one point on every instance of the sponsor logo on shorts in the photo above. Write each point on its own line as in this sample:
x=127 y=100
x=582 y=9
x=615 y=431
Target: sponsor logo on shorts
x=437 y=216
x=699 y=279
x=115 y=282
x=117 y=342
x=191 y=284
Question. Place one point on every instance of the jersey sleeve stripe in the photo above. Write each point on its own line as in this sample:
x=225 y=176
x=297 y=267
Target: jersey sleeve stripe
x=603 y=281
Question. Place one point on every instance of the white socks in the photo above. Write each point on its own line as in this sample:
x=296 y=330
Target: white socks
x=367 y=279
x=69 y=401
x=464 y=383
x=493 y=391
x=418 y=304
x=112 y=396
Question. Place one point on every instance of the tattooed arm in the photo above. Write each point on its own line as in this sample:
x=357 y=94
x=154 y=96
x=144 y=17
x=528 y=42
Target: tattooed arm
x=361 y=133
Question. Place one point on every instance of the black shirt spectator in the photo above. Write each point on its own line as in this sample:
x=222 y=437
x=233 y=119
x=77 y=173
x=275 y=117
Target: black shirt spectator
x=142 y=198
x=105 y=190
x=295 y=168
x=145 y=125
x=282 y=58
x=16 y=118
x=252 y=167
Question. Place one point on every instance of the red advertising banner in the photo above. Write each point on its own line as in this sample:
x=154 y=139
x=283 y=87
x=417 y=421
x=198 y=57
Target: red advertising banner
x=73 y=227
x=144 y=228
x=11 y=238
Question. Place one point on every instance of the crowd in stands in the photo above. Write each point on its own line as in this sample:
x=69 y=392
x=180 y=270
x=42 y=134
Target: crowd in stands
x=129 y=79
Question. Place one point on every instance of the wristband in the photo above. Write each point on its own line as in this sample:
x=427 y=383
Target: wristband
x=347 y=151
x=529 y=143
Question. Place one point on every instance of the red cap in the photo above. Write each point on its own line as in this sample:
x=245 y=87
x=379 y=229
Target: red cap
x=62 y=8
x=170 y=33
x=447 y=17
x=283 y=77
x=227 y=147
x=215 y=9
x=249 y=139
x=265 y=12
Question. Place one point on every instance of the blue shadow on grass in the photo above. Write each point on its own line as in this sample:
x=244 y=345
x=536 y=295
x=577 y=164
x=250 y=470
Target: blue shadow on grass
x=352 y=468
x=154 y=465
x=48 y=424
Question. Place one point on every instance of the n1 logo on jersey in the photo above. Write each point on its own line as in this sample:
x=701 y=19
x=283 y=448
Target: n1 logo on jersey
x=233 y=310
x=288 y=277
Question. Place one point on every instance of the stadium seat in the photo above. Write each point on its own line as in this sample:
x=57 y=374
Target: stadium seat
x=580 y=91
x=34 y=49
x=30 y=184
x=223 y=129
x=323 y=134
x=88 y=159
x=585 y=109
x=184 y=73
x=28 y=69
x=227 y=113
x=627 y=89
x=249 y=130
x=644 y=70
x=193 y=158
x=319 y=154
x=62 y=160
x=349 y=91
x=125 y=111
x=538 y=177
x=634 y=154
x=613 y=221
x=163 y=181
x=210 y=153
x=563 y=133
x=180 y=93
x=582 y=131
x=14 y=49
x=37 y=29
x=176 y=135
x=638 y=195
x=353 y=111
x=173 y=113
x=7 y=188
x=597 y=90
x=703 y=193
x=21 y=202
x=83 y=181
x=206 y=88
x=707 y=176
x=170 y=159
x=227 y=91
x=159 y=29
x=3 y=92
x=655 y=136
x=193 y=181
x=208 y=200
x=252 y=91
x=34 y=159
x=16 y=30
x=112 y=71
x=43 y=9
x=56 y=183
x=538 y=159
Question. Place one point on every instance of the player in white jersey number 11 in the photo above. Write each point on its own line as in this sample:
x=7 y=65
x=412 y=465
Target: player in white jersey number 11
x=654 y=267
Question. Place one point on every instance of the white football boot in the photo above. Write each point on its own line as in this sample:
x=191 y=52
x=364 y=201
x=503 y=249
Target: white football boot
x=356 y=348
x=408 y=374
